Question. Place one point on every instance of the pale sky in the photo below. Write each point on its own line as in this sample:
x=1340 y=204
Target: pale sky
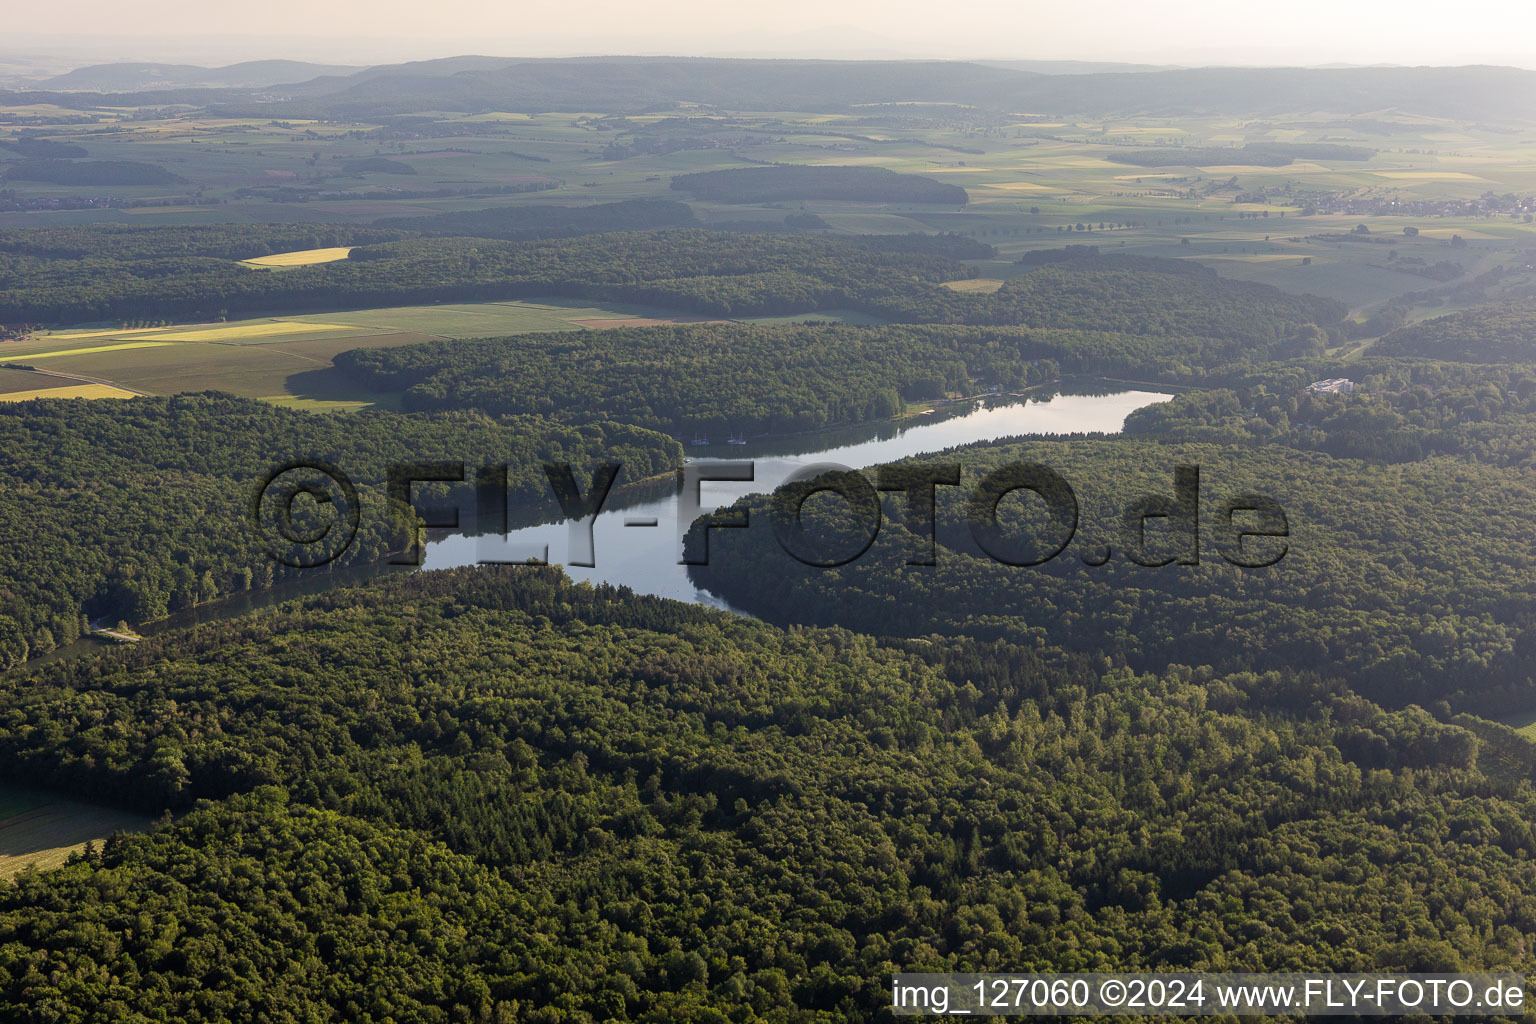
x=1169 y=32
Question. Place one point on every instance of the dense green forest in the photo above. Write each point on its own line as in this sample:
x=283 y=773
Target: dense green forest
x=772 y=378
x=35 y=148
x=1503 y=332
x=1408 y=580
x=62 y=275
x=135 y=509
x=88 y=172
x=1403 y=411
x=1154 y=318
x=494 y=795
x=1137 y=295
x=708 y=272
x=858 y=184
x=713 y=377
x=520 y=223
x=132 y=244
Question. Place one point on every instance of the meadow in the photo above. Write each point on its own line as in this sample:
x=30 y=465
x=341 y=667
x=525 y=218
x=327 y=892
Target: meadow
x=280 y=359
x=40 y=830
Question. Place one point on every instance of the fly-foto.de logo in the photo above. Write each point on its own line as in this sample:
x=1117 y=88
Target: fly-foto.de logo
x=310 y=513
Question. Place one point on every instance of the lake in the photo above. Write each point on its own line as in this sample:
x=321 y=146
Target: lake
x=646 y=558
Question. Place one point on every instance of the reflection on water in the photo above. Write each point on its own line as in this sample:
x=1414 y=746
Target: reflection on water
x=645 y=558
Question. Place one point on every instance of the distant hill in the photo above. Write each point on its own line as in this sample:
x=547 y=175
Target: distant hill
x=632 y=84
x=255 y=74
x=637 y=83
x=1074 y=67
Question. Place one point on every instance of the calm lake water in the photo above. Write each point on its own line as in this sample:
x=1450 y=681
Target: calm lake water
x=645 y=558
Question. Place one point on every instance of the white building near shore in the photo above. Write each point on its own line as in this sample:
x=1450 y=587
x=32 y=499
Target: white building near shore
x=1332 y=386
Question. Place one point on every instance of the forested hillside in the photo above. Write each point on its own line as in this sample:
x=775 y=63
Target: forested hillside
x=1265 y=154
x=494 y=795
x=1503 y=332
x=1148 y=318
x=1258 y=693
x=138 y=508
x=711 y=378
x=1404 y=410
x=708 y=272
x=89 y=172
x=1383 y=579
x=134 y=244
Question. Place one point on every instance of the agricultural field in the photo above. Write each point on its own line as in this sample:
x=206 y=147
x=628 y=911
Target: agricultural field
x=301 y=258
x=84 y=390
x=983 y=285
x=13 y=381
x=281 y=359
x=40 y=831
x=1032 y=184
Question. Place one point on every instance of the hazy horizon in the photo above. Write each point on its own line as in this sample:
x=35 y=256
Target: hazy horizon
x=1310 y=32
